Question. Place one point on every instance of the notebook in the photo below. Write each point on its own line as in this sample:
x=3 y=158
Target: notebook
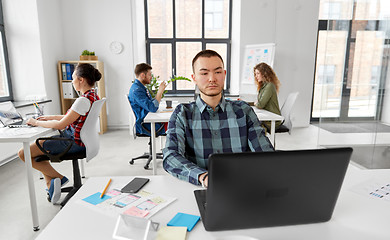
x=264 y=189
x=9 y=117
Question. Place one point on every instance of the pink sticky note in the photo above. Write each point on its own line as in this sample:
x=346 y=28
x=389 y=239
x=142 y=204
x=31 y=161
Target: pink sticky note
x=113 y=193
x=134 y=211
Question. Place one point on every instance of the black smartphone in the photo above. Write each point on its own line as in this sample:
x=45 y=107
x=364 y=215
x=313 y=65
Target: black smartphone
x=135 y=185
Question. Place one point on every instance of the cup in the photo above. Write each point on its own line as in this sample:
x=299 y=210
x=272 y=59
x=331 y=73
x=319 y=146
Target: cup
x=169 y=103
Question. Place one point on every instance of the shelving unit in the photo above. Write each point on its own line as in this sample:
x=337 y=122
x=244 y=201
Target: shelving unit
x=65 y=78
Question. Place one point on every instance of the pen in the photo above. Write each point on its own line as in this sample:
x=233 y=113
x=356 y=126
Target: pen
x=37 y=107
x=104 y=191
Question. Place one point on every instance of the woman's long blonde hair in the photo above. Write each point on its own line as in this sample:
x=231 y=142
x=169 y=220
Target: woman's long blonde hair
x=268 y=75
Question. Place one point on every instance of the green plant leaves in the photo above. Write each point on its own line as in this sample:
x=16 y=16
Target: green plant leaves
x=154 y=84
x=86 y=53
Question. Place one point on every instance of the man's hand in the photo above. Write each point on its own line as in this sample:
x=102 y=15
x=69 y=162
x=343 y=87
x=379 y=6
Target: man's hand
x=204 y=182
x=160 y=91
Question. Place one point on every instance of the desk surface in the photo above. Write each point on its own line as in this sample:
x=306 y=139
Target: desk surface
x=22 y=134
x=164 y=115
x=355 y=216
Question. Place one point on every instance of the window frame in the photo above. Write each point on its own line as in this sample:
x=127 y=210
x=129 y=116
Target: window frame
x=174 y=40
x=326 y=25
x=6 y=60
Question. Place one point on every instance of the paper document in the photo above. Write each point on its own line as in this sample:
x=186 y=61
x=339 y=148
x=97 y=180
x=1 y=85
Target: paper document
x=374 y=189
x=142 y=204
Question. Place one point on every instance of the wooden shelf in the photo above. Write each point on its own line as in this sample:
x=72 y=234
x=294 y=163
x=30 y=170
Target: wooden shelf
x=66 y=103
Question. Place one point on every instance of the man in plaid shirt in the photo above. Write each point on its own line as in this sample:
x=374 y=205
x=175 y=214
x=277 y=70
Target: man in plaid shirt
x=211 y=124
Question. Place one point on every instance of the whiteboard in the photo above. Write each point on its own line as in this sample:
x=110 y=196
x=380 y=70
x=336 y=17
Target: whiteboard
x=255 y=54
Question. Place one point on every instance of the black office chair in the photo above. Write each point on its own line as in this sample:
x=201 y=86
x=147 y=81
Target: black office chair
x=134 y=134
x=148 y=155
x=89 y=136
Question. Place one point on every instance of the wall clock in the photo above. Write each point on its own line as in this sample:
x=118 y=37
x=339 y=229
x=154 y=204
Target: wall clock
x=116 y=47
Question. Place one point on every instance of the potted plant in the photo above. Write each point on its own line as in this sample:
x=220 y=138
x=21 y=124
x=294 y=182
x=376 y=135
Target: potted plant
x=154 y=84
x=92 y=56
x=87 y=55
x=84 y=55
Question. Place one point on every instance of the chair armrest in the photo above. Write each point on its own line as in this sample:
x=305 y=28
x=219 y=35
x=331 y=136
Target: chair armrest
x=57 y=157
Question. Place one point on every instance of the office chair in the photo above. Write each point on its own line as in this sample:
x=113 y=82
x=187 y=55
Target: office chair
x=286 y=113
x=134 y=134
x=89 y=136
x=287 y=106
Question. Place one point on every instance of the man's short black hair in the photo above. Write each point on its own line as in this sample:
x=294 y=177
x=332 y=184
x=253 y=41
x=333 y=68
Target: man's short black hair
x=205 y=53
x=142 y=68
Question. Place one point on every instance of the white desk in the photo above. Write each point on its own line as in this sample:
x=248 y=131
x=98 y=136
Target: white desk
x=355 y=217
x=26 y=136
x=164 y=116
x=265 y=115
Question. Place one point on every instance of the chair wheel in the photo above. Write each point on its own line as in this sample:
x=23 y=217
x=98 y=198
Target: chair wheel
x=131 y=162
x=146 y=167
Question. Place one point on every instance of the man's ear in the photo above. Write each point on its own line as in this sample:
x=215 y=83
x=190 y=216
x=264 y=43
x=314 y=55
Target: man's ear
x=141 y=76
x=193 y=78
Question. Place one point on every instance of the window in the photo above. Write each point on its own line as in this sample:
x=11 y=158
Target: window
x=176 y=30
x=354 y=38
x=326 y=74
x=5 y=80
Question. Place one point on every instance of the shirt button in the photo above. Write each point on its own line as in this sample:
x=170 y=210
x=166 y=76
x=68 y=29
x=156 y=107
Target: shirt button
x=215 y=133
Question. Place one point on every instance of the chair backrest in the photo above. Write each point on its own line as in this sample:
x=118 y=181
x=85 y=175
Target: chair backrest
x=132 y=120
x=89 y=132
x=287 y=107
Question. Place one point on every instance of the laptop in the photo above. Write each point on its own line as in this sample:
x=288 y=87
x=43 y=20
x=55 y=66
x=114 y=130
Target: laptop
x=265 y=189
x=9 y=117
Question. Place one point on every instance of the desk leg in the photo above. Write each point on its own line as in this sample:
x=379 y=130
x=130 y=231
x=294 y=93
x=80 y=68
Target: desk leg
x=31 y=187
x=272 y=133
x=154 y=158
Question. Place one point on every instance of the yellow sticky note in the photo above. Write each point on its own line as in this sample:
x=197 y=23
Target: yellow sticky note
x=172 y=233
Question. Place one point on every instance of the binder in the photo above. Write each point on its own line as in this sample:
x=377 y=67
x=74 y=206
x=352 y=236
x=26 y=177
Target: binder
x=74 y=92
x=63 y=71
x=65 y=90
x=68 y=90
x=68 y=73
x=71 y=71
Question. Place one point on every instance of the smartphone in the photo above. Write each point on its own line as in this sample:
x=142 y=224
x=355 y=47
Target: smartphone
x=135 y=185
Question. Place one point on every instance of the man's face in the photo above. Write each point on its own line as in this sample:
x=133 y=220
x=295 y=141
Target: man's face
x=145 y=78
x=209 y=75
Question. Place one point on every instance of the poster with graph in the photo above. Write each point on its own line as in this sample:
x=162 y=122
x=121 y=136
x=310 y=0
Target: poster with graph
x=255 y=54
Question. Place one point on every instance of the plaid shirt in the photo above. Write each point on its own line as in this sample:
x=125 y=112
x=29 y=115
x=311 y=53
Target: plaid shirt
x=195 y=131
x=78 y=124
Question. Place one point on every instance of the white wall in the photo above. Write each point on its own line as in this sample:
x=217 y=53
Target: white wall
x=292 y=25
x=235 y=49
x=52 y=49
x=93 y=25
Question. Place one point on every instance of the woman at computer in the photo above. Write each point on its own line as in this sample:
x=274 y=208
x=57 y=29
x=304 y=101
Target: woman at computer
x=268 y=87
x=84 y=78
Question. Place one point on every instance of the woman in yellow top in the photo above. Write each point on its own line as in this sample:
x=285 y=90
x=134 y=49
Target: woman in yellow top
x=268 y=87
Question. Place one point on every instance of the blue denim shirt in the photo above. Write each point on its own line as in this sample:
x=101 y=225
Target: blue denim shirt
x=142 y=103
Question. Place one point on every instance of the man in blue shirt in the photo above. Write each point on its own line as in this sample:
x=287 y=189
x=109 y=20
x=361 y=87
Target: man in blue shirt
x=211 y=124
x=141 y=101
